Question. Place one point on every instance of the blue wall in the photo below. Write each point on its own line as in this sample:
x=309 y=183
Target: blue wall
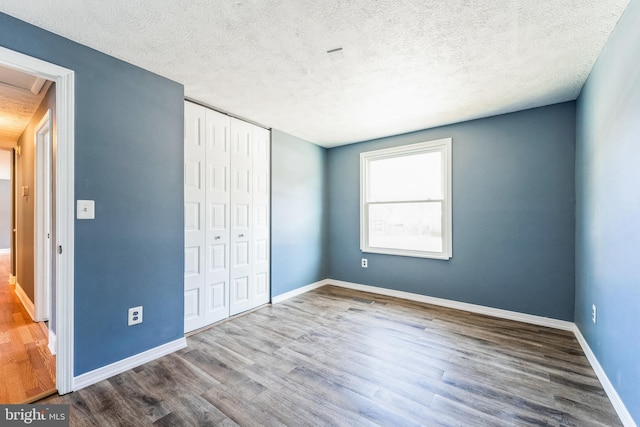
x=298 y=213
x=608 y=208
x=513 y=215
x=129 y=159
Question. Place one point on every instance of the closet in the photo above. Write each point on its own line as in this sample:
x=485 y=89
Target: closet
x=226 y=216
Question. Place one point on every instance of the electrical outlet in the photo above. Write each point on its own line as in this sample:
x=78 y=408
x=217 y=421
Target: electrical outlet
x=594 y=314
x=365 y=263
x=135 y=315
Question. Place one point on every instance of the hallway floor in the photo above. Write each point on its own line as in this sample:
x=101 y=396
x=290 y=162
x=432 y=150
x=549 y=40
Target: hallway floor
x=27 y=368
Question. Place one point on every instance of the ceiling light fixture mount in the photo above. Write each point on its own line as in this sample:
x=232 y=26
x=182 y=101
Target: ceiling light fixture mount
x=336 y=54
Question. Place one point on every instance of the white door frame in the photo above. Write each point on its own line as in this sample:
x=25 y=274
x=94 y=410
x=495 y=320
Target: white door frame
x=64 y=206
x=42 y=226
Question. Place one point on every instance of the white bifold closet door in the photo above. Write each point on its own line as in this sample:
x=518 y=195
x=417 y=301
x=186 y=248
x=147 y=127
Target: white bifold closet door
x=249 y=216
x=226 y=216
x=194 y=215
x=261 y=292
x=217 y=201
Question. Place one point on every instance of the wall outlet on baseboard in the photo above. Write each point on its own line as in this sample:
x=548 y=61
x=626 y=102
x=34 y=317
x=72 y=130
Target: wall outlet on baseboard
x=135 y=315
x=365 y=263
x=594 y=313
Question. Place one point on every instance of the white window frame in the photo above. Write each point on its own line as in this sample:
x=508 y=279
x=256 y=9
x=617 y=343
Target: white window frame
x=441 y=145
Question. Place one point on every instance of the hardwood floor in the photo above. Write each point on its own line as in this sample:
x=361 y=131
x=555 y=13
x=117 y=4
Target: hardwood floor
x=27 y=368
x=340 y=357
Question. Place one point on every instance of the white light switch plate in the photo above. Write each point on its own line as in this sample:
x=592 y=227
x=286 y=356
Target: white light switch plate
x=86 y=209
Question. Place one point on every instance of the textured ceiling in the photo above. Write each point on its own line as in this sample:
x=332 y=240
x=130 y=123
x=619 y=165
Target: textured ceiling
x=17 y=103
x=406 y=65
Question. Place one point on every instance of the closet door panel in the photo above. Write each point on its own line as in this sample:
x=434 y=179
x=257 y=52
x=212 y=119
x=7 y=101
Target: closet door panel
x=218 y=186
x=241 y=235
x=194 y=217
x=260 y=200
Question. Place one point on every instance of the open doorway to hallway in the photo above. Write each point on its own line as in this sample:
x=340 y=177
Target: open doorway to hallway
x=63 y=203
x=27 y=361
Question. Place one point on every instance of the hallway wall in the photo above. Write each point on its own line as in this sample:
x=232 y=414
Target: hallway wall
x=25 y=176
x=5 y=199
x=5 y=214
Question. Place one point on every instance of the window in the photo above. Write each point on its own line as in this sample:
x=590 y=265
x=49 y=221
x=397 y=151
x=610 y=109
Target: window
x=405 y=200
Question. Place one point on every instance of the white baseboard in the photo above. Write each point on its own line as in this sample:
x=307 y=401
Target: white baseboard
x=26 y=301
x=617 y=403
x=473 y=308
x=52 y=342
x=285 y=296
x=92 y=377
x=12 y=279
x=5 y=251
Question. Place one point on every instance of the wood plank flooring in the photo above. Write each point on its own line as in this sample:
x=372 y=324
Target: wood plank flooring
x=340 y=357
x=27 y=368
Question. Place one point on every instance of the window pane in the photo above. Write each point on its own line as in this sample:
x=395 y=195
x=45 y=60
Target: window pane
x=411 y=177
x=410 y=226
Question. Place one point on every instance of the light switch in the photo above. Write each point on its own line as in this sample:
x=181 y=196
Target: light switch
x=86 y=209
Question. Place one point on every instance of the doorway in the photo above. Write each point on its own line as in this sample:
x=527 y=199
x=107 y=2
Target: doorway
x=62 y=208
x=43 y=282
x=26 y=356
